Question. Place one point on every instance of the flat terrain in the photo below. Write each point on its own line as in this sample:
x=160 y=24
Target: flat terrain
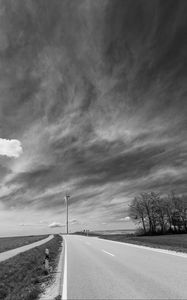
x=117 y=231
x=21 y=276
x=103 y=269
x=176 y=242
x=10 y=253
x=7 y=243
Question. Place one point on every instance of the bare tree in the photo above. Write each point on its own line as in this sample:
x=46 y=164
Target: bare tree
x=148 y=206
x=137 y=212
x=179 y=215
x=168 y=208
x=159 y=214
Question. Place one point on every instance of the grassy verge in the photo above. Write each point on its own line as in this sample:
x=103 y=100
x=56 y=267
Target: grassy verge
x=175 y=242
x=22 y=276
x=8 y=243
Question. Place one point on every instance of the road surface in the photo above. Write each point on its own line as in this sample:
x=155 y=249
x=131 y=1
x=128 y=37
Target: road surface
x=10 y=253
x=101 y=269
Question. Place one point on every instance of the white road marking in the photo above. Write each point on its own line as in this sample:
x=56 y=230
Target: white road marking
x=64 y=292
x=108 y=253
x=163 y=251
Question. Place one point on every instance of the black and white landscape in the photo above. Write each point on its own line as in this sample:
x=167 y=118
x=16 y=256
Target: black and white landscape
x=93 y=106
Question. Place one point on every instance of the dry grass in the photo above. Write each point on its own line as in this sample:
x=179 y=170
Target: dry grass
x=176 y=242
x=21 y=277
x=8 y=243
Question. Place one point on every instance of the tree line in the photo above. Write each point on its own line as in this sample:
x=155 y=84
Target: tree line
x=155 y=213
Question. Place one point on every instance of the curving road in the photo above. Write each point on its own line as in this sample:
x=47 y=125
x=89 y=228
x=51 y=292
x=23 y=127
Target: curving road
x=101 y=269
x=10 y=253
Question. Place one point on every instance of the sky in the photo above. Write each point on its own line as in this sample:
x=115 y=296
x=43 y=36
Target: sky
x=92 y=103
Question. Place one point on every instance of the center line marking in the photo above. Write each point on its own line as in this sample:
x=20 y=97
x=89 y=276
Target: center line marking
x=108 y=253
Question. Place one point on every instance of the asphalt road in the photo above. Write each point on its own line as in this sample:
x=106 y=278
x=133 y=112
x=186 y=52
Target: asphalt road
x=100 y=269
x=10 y=253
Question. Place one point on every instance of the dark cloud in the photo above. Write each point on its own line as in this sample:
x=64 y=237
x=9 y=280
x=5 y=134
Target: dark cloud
x=38 y=179
x=3 y=171
x=96 y=93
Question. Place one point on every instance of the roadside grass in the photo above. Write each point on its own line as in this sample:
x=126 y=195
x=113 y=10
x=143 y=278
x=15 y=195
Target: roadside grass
x=22 y=277
x=175 y=242
x=8 y=243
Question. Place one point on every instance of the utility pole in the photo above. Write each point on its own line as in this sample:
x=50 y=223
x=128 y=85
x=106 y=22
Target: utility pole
x=66 y=199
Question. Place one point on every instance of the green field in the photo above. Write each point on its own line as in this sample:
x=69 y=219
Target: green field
x=8 y=243
x=176 y=242
x=22 y=276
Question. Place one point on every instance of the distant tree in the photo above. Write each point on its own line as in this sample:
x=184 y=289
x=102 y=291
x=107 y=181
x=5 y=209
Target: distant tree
x=147 y=203
x=179 y=213
x=168 y=208
x=184 y=212
x=159 y=214
x=137 y=212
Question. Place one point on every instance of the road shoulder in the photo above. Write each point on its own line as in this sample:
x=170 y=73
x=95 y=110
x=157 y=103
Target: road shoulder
x=54 y=290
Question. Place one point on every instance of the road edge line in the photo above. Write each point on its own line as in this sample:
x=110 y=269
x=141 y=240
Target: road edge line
x=159 y=250
x=64 y=285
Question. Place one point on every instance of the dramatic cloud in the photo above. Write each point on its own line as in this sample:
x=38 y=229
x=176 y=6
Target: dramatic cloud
x=10 y=148
x=96 y=93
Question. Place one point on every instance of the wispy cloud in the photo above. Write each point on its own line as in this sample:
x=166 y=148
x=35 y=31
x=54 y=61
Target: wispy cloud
x=29 y=225
x=95 y=94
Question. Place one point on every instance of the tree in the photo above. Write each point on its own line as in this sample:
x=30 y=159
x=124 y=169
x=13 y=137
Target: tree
x=168 y=208
x=148 y=206
x=137 y=212
x=159 y=214
x=179 y=215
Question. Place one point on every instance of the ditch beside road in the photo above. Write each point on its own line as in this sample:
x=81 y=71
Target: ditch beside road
x=55 y=288
x=23 y=276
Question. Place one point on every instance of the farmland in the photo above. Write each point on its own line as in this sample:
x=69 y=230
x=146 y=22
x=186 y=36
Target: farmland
x=8 y=243
x=23 y=276
x=175 y=242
